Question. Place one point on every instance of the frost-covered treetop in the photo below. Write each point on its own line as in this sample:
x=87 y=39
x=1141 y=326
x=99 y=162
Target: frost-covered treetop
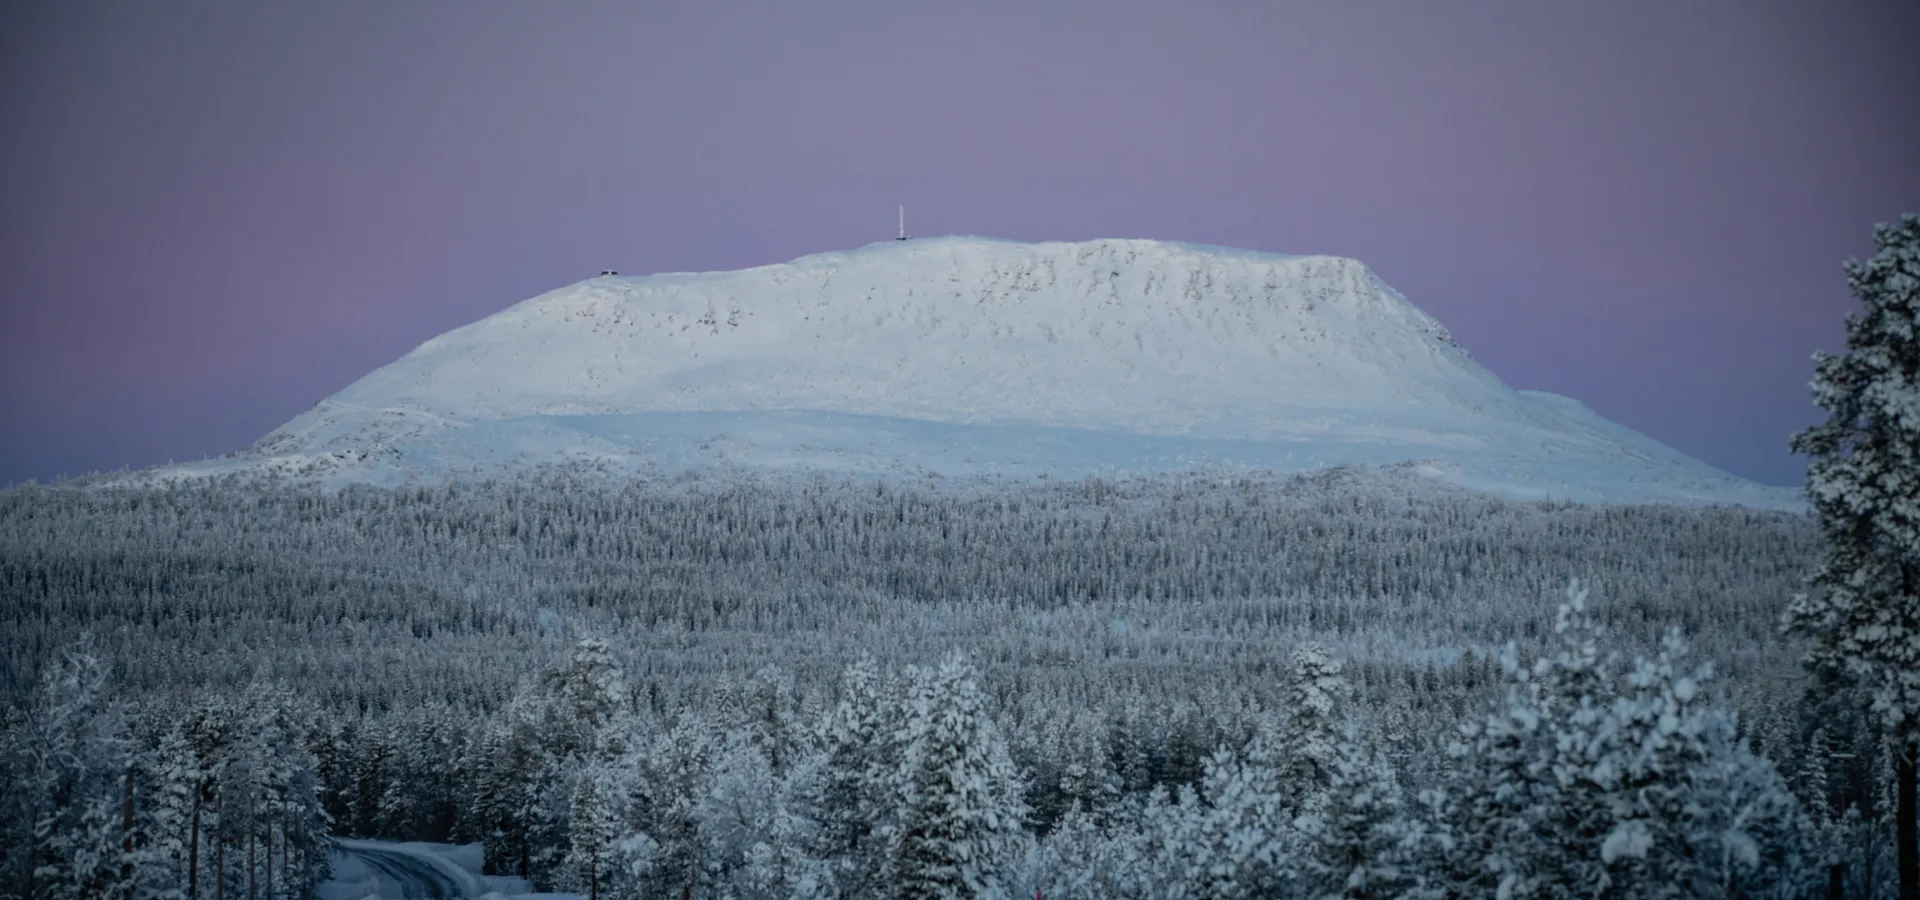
x=1864 y=482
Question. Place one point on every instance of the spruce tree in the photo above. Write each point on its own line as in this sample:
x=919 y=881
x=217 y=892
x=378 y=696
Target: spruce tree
x=77 y=754
x=594 y=824
x=1306 y=745
x=175 y=780
x=1694 y=812
x=675 y=776
x=1863 y=612
x=1361 y=844
x=582 y=701
x=855 y=798
x=963 y=815
x=1238 y=845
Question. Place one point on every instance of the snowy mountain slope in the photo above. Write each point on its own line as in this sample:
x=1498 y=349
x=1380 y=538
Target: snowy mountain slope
x=968 y=355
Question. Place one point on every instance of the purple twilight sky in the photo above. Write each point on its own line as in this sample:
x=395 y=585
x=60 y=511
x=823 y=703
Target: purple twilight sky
x=216 y=214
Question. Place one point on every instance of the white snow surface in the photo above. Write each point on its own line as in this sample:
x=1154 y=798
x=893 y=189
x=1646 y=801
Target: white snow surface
x=970 y=356
x=458 y=865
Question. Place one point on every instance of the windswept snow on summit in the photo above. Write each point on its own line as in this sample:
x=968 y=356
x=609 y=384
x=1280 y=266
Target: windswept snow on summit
x=973 y=356
x=1126 y=335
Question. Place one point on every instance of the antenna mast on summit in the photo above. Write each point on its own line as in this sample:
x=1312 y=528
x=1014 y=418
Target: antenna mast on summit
x=903 y=223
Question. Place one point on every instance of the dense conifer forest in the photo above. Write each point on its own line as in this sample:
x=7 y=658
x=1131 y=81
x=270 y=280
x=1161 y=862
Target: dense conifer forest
x=1353 y=683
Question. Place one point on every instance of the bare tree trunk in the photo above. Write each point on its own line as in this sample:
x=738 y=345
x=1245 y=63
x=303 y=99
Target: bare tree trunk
x=269 y=867
x=1906 y=828
x=193 y=850
x=219 y=867
x=126 y=832
x=1873 y=855
x=1837 y=881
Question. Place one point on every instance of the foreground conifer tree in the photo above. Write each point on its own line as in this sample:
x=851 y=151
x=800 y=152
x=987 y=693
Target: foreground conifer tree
x=855 y=794
x=1591 y=780
x=74 y=755
x=963 y=815
x=1308 y=744
x=1362 y=842
x=1863 y=613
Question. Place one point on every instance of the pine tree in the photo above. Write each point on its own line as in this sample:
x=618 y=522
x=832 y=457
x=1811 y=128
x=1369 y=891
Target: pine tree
x=1306 y=746
x=675 y=775
x=497 y=809
x=740 y=805
x=1694 y=813
x=769 y=715
x=854 y=796
x=1863 y=612
x=292 y=812
x=1579 y=687
x=750 y=822
x=963 y=815
x=175 y=779
x=593 y=825
x=373 y=771
x=1591 y=783
x=77 y=760
x=583 y=701
x=1081 y=859
x=1086 y=780
x=209 y=732
x=1362 y=844
x=1502 y=792
x=1239 y=842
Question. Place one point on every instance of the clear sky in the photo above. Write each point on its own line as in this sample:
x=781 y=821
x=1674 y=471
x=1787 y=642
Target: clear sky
x=213 y=215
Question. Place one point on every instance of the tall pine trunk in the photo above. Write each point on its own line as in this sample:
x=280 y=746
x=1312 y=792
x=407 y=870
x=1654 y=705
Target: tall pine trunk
x=193 y=850
x=1873 y=854
x=1906 y=828
x=219 y=866
x=126 y=833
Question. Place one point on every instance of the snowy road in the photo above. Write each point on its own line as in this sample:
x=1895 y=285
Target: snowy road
x=394 y=872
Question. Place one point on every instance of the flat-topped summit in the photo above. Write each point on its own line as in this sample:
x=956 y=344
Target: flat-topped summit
x=1056 y=357
x=1136 y=336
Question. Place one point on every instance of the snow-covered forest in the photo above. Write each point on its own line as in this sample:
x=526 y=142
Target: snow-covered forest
x=1354 y=683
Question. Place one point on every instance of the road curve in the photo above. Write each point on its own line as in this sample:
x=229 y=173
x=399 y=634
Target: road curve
x=407 y=876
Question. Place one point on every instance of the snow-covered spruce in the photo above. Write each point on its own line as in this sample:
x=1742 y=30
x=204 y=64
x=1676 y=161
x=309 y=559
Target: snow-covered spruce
x=961 y=822
x=1863 y=612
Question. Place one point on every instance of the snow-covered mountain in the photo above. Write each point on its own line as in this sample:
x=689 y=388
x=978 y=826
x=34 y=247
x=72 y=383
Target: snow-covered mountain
x=959 y=356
